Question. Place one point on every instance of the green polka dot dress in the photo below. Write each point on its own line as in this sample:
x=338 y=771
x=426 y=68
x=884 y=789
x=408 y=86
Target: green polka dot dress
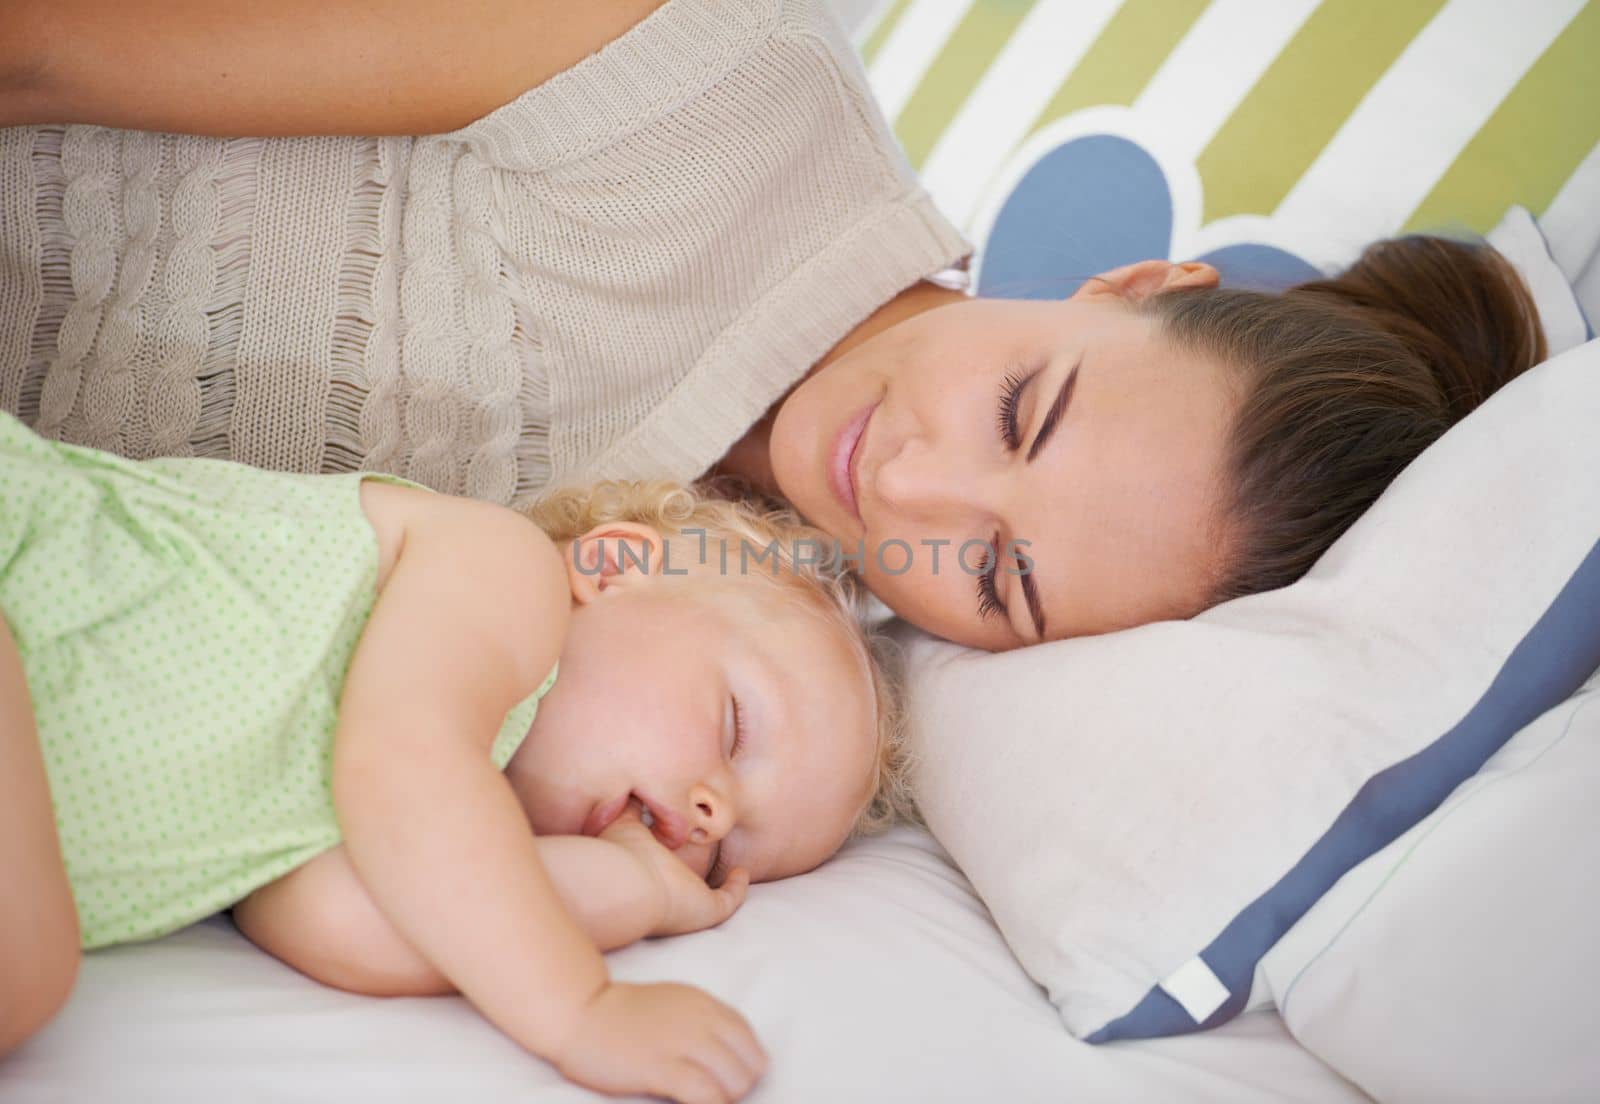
x=185 y=627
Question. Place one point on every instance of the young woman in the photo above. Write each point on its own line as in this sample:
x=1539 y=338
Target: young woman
x=1153 y=445
x=663 y=239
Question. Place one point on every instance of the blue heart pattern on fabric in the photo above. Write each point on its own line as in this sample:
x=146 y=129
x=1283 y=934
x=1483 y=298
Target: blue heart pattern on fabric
x=1096 y=202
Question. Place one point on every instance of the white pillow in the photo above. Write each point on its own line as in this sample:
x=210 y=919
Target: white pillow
x=1457 y=964
x=1519 y=239
x=1147 y=812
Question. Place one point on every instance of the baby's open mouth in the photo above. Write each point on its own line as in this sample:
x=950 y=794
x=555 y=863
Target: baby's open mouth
x=667 y=825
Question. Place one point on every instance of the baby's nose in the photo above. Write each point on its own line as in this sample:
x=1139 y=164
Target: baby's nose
x=711 y=814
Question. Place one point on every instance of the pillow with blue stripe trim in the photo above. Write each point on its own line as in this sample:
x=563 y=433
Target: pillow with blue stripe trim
x=1149 y=812
x=1452 y=964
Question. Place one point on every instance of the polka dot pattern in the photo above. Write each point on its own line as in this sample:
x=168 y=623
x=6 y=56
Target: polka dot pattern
x=185 y=627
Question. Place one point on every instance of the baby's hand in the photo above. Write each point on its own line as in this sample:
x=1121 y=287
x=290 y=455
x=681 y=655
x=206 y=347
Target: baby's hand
x=667 y=1040
x=687 y=902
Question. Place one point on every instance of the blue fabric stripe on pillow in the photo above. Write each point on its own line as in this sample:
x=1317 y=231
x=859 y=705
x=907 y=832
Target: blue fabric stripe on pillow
x=1547 y=666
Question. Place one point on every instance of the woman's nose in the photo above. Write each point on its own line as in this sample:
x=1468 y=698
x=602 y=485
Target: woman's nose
x=920 y=480
x=712 y=814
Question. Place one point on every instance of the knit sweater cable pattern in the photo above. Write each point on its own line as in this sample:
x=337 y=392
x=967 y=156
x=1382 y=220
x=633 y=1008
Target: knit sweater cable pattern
x=613 y=275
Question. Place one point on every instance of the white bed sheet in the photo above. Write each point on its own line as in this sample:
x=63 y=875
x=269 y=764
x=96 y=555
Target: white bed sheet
x=877 y=978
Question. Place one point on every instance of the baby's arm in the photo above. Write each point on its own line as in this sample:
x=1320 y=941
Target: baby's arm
x=472 y=612
x=243 y=68
x=321 y=920
x=469 y=622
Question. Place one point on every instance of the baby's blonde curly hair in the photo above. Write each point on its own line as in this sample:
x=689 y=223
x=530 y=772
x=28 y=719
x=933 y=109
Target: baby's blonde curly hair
x=825 y=588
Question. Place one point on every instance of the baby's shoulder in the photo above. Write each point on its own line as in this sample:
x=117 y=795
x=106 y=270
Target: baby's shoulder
x=399 y=513
x=488 y=556
x=388 y=507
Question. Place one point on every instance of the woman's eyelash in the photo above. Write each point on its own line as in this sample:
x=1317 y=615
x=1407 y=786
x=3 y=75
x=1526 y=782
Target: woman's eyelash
x=1010 y=396
x=988 y=596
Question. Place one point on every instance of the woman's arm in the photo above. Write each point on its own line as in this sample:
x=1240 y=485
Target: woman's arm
x=21 y=62
x=290 y=67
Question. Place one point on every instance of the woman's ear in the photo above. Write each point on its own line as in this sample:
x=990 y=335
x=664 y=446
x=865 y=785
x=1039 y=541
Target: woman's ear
x=613 y=556
x=1144 y=278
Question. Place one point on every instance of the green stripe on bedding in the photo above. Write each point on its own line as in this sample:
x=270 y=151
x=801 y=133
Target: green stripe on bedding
x=1134 y=43
x=1302 y=99
x=882 y=30
x=1532 y=143
x=980 y=35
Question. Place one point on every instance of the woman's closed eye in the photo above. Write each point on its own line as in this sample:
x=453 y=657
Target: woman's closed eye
x=1009 y=422
x=989 y=604
x=1008 y=419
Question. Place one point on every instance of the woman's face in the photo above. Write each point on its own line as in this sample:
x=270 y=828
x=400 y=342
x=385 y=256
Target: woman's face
x=969 y=429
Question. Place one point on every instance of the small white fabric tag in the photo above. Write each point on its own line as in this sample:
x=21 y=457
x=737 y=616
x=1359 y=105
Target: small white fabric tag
x=1194 y=986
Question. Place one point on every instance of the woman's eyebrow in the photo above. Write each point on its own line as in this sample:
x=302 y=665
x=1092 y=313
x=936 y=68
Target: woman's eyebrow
x=1052 y=417
x=1030 y=592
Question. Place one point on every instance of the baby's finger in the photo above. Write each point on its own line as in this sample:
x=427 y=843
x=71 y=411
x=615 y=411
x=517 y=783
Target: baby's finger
x=731 y=893
x=691 y=1083
x=627 y=824
x=734 y=1031
x=726 y=1064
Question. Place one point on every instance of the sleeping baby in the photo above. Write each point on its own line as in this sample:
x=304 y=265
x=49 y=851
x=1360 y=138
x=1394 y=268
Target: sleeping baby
x=336 y=704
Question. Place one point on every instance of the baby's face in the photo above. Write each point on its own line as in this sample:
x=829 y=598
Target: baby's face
x=741 y=719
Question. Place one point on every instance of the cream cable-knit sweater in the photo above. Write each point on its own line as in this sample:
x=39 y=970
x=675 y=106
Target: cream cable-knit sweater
x=613 y=275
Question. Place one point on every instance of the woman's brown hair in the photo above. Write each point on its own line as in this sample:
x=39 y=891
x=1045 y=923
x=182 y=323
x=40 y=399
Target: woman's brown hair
x=1343 y=382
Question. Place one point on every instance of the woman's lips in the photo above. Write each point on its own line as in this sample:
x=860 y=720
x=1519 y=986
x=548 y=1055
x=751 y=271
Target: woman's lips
x=841 y=467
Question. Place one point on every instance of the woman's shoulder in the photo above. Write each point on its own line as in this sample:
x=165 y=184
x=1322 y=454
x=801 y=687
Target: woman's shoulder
x=720 y=201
